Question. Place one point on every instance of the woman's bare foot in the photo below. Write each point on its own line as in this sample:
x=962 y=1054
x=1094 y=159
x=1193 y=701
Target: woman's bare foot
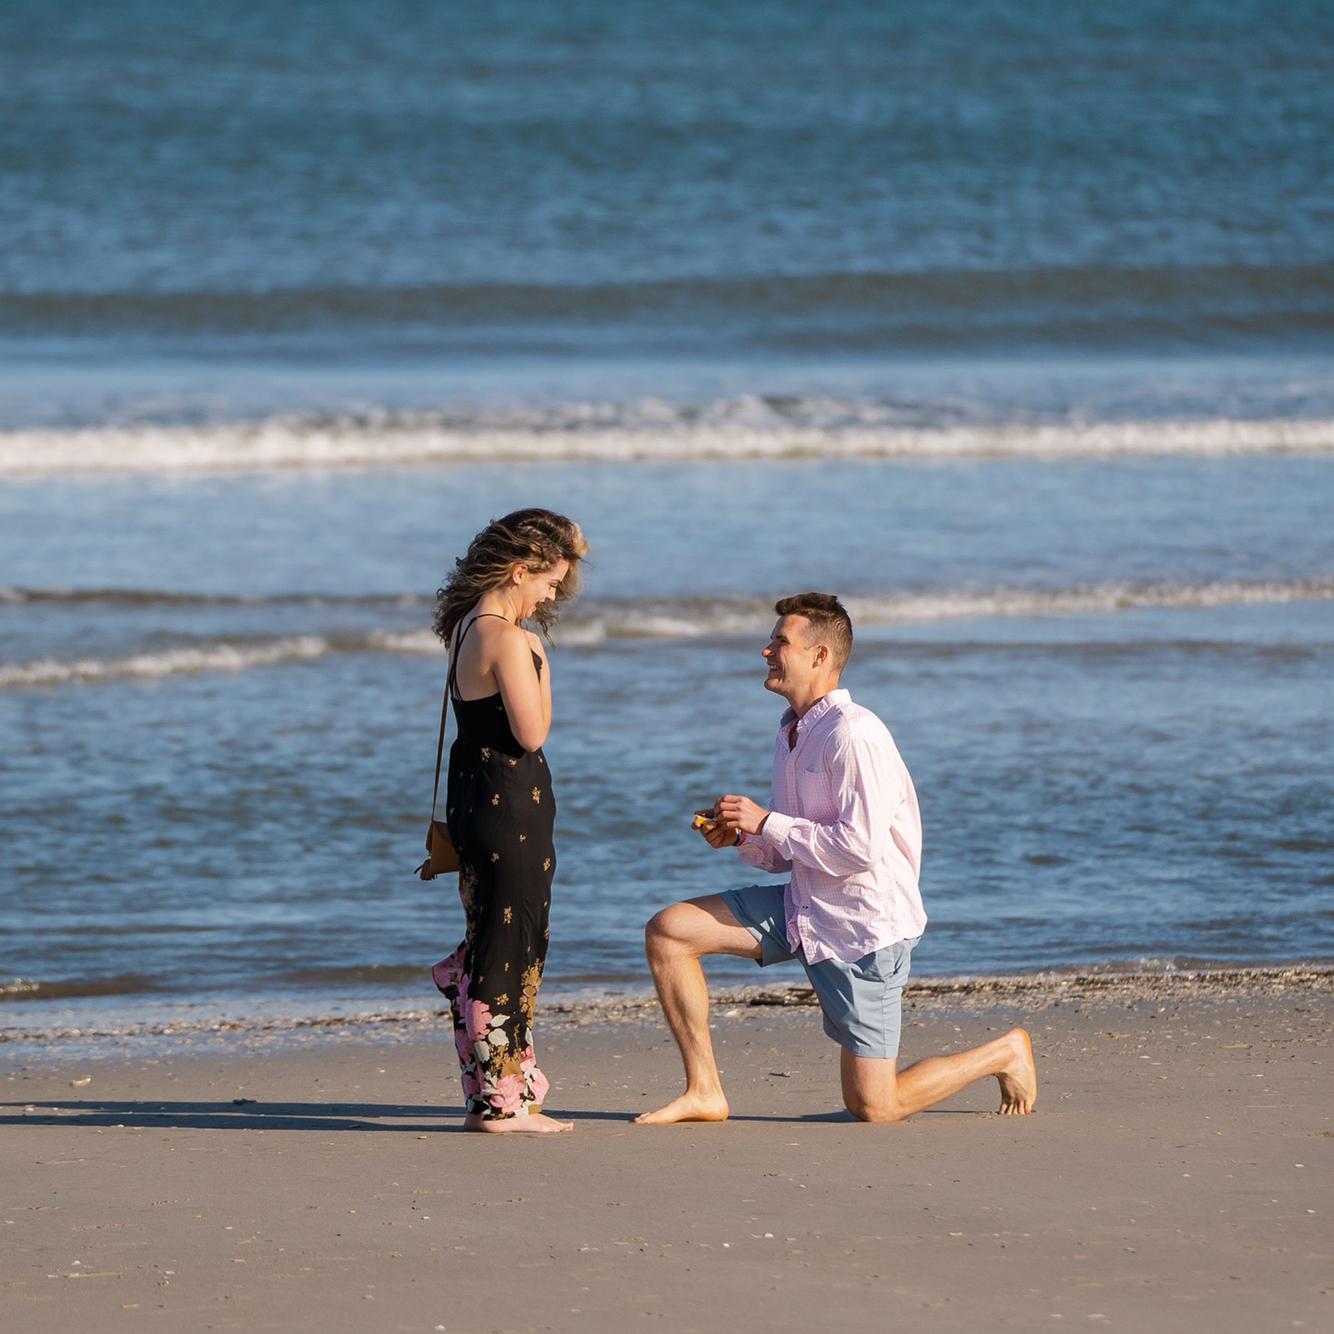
x=1019 y=1080
x=690 y=1106
x=535 y=1123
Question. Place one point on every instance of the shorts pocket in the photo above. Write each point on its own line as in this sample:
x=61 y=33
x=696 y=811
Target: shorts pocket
x=868 y=967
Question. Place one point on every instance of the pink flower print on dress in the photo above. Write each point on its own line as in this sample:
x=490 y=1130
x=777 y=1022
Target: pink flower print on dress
x=533 y=1078
x=449 y=971
x=508 y=1097
x=477 y=1019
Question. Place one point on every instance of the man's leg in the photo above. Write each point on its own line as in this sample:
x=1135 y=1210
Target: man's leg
x=674 y=940
x=873 y=1091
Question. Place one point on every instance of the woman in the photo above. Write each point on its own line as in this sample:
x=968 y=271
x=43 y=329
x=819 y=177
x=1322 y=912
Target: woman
x=499 y=805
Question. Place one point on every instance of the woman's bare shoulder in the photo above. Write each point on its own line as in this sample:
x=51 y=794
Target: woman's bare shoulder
x=504 y=638
x=486 y=635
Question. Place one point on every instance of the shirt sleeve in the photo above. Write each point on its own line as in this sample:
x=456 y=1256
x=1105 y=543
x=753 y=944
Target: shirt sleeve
x=756 y=852
x=867 y=789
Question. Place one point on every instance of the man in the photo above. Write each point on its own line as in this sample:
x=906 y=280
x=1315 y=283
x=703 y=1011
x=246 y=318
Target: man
x=844 y=824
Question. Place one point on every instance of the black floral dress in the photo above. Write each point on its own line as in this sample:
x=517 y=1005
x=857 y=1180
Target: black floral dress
x=501 y=815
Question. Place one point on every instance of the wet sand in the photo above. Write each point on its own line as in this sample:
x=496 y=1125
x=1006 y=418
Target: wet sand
x=1176 y=1176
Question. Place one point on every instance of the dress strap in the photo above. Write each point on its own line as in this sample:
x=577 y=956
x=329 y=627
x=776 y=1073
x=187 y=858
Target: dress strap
x=451 y=682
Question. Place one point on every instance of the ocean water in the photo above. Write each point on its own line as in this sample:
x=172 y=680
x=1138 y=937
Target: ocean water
x=1016 y=330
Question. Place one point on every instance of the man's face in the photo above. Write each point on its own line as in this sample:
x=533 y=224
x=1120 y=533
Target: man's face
x=791 y=660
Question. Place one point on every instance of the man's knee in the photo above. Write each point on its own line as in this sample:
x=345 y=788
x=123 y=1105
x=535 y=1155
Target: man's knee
x=664 y=934
x=873 y=1109
x=870 y=1089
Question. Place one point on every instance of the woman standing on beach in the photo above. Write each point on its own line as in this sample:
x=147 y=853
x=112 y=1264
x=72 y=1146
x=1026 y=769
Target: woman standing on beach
x=499 y=805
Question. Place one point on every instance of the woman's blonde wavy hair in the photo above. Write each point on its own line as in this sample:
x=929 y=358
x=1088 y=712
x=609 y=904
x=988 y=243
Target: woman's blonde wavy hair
x=536 y=538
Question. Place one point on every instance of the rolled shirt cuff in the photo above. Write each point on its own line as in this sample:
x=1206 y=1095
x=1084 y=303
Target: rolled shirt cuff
x=777 y=827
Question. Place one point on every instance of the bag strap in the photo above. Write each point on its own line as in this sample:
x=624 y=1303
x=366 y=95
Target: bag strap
x=439 y=751
x=451 y=692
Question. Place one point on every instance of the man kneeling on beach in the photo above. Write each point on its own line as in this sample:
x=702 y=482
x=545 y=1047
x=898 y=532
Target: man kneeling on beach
x=844 y=824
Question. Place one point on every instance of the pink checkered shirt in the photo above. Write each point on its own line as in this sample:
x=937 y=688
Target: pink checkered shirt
x=844 y=821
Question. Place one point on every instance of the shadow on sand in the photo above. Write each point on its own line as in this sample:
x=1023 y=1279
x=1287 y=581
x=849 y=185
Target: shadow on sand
x=245 y=1114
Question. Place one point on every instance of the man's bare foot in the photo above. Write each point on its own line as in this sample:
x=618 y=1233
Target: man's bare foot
x=535 y=1123
x=1019 y=1080
x=690 y=1106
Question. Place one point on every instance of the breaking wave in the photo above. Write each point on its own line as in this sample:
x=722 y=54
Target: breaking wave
x=598 y=621
x=752 y=428
x=155 y=597
x=216 y=657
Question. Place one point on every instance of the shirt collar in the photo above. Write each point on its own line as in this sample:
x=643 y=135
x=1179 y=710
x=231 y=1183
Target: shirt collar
x=817 y=711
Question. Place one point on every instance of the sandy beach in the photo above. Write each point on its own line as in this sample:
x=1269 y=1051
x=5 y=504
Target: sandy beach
x=1175 y=1176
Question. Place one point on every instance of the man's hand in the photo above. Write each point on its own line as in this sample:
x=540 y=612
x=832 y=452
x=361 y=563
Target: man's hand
x=741 y=814
x=713 y=831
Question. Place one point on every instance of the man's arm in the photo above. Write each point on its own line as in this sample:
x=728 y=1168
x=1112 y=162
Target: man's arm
x=867 y=789
x=718 y=834
x=757 y=853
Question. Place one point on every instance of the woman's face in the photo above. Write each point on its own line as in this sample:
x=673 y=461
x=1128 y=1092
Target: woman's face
x=536 y=587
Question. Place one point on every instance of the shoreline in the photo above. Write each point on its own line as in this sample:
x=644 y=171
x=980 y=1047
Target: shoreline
x=1036 y=991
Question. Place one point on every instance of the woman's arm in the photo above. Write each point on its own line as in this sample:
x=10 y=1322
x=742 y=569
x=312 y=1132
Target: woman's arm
x=537 y=646
x=526 y=695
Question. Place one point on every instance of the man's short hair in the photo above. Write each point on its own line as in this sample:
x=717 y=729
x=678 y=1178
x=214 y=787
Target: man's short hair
x=830 y=622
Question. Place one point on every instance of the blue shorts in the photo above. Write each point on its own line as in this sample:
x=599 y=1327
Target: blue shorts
x=862 y=1001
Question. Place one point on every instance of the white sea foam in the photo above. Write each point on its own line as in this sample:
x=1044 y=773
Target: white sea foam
x=216 y=657
x=601 y=621
x=1097 y=599
x=695 y=619
x=403 y=641
x=747 y=428
x=593 y=620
